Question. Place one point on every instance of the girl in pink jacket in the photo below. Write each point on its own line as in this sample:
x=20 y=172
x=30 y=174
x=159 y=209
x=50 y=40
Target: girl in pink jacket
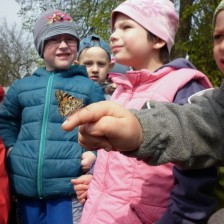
x=127 y=190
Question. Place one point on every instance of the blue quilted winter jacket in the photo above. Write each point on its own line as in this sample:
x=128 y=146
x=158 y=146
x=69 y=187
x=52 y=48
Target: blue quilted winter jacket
x=43 y=158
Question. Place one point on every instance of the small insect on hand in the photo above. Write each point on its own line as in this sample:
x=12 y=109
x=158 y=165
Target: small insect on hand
x=67 y=103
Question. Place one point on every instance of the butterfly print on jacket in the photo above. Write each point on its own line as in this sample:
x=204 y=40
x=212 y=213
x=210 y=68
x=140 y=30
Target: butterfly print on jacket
x=67 y=103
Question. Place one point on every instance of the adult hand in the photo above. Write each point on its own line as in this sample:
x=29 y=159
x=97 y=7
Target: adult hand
x=106 y=125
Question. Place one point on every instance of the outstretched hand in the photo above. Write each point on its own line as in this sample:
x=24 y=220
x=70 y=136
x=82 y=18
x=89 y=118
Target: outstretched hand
x=106 y=125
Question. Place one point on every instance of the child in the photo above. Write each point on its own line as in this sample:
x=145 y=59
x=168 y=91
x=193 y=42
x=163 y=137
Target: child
x=94 y=53
x=42 y=158
x=198 y=125
x=4 y=187
x=126 y=189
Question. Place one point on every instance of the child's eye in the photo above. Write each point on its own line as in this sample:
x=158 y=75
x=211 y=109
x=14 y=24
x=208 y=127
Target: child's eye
x=53 y=39
x=101 y=64
x=87 y=64
x=218 y=37
x=126 y=27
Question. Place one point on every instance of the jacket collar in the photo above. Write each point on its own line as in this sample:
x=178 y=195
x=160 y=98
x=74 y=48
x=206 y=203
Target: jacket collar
x=73 y=70
x=136 y=78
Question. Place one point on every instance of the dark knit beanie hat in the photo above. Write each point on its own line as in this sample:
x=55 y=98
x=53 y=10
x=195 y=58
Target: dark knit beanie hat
x=52 y=23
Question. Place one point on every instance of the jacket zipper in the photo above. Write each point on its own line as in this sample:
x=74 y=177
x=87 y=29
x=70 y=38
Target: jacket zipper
x=43 y=136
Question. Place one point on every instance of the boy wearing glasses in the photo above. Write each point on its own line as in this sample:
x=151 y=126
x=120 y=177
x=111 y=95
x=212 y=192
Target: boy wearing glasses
x=41 y=157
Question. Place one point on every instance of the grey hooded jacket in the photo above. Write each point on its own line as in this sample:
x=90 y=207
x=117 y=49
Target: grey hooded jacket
x=192 y=135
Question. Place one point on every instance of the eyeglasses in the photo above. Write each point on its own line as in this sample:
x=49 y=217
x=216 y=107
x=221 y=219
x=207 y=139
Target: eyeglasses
x=71 y=42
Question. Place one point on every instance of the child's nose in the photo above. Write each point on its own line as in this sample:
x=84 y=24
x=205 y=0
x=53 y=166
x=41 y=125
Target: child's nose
x=95 y=68
x=113 y=36
x=63 y=44
x=116 y=34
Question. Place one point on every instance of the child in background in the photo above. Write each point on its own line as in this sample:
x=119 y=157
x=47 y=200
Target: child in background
x=41 y=157
x=128 y=190
x=94 y=53
x=4 y=186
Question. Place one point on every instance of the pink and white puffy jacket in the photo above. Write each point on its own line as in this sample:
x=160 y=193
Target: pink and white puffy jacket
x=126 y=190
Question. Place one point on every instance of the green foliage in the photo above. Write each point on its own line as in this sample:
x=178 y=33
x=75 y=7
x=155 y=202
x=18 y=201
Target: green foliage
x=91 y=16
x=194 y=38
x=198 y=44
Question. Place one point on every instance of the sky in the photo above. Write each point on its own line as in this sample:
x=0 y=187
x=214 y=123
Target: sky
x=9 y=10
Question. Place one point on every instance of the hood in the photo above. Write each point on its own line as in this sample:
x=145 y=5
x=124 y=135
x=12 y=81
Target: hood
x=179 y=63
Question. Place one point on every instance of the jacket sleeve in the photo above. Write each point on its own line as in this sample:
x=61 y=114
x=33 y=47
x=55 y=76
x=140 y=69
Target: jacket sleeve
x=10 y=117
x=190 y=135
x=191 y=199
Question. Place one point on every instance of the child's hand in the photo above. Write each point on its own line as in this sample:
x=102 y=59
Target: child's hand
x=81 y=186
x=106 y=125
x=87 y=160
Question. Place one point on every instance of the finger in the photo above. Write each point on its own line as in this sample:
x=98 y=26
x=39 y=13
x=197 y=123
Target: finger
x=77 y=181
x=82 y=196
x=81 y=187
x=79 y=193
x=91 y=113
x=82 y=201
x=94 y=143
x=107 y=126
x=85 y=168
x=84 y=162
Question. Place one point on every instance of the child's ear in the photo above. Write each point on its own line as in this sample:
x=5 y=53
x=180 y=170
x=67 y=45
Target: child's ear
x=76 y=62
x=159 y=43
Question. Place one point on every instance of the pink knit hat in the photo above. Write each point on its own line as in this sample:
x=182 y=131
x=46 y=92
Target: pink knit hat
x=157 y=16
